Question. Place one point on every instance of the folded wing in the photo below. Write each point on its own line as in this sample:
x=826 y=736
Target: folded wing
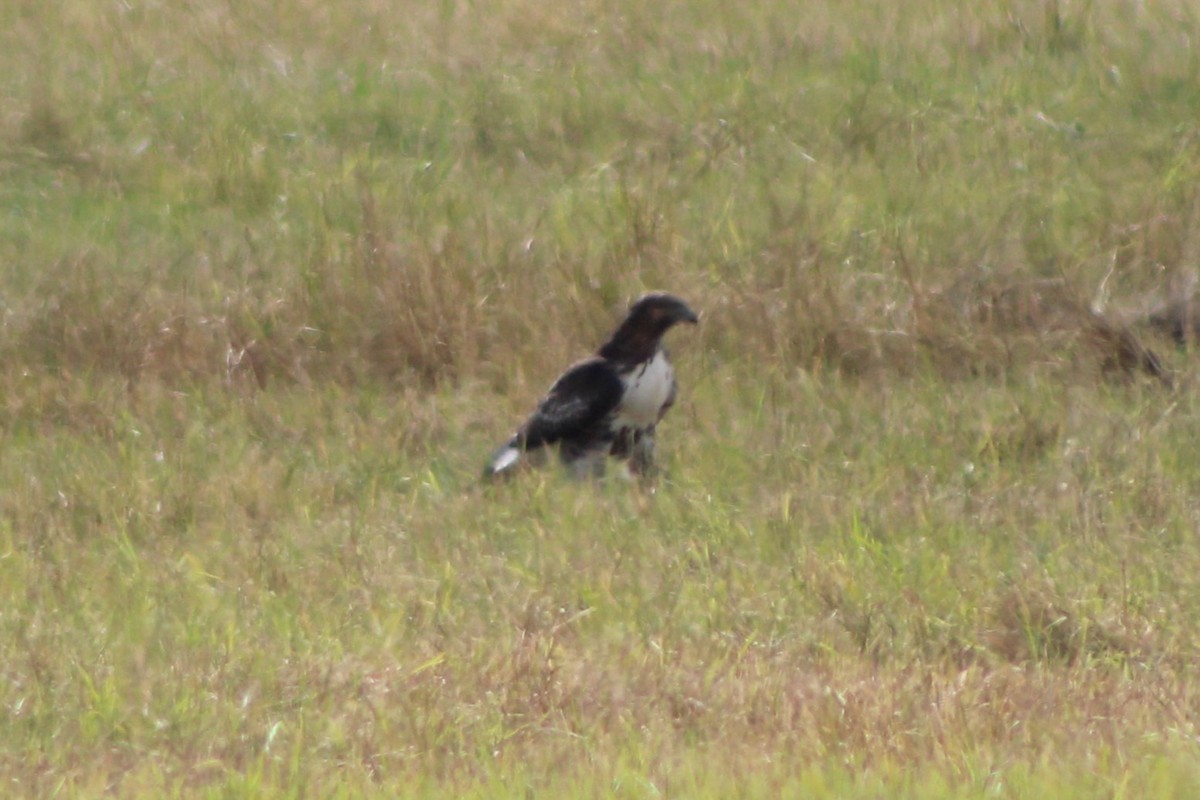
x=575 y=412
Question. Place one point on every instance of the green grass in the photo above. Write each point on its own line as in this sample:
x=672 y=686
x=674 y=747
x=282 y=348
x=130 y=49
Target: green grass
x=277 y=277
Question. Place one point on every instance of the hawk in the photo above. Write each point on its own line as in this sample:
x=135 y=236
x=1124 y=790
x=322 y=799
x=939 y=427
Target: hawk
x=609 y=404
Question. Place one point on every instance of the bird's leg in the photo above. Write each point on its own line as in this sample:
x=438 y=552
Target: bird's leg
x=641 y=454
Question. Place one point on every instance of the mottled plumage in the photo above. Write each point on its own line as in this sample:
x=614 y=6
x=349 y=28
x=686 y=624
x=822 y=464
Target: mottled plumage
x=609 y=404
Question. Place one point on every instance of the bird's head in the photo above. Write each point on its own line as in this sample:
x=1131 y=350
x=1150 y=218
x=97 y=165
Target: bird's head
x=649 y=318
x=658 y=311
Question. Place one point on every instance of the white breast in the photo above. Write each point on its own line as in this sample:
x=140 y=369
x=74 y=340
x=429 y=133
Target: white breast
x=646 y=390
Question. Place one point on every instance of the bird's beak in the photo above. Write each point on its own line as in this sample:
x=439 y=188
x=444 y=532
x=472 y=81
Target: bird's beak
x=687 y=315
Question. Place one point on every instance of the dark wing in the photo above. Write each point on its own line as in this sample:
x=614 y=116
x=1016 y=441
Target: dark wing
x=578 y=401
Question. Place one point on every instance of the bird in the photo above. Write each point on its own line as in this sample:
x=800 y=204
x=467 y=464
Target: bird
x=607 y=405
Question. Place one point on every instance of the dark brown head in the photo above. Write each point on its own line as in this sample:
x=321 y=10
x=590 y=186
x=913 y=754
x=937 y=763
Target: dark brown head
x=661 y=310
x=649 y=318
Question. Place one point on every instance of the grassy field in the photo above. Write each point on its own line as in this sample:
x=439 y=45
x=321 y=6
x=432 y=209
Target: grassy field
x=278 y=276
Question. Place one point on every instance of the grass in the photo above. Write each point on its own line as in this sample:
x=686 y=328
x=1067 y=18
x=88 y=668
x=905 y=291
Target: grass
x=277 y=277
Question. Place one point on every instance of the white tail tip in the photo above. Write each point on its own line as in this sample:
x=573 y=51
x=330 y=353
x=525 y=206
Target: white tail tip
x=503 y=460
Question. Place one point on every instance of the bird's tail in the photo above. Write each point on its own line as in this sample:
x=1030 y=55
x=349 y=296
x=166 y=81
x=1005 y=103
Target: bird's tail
x=505 y=461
